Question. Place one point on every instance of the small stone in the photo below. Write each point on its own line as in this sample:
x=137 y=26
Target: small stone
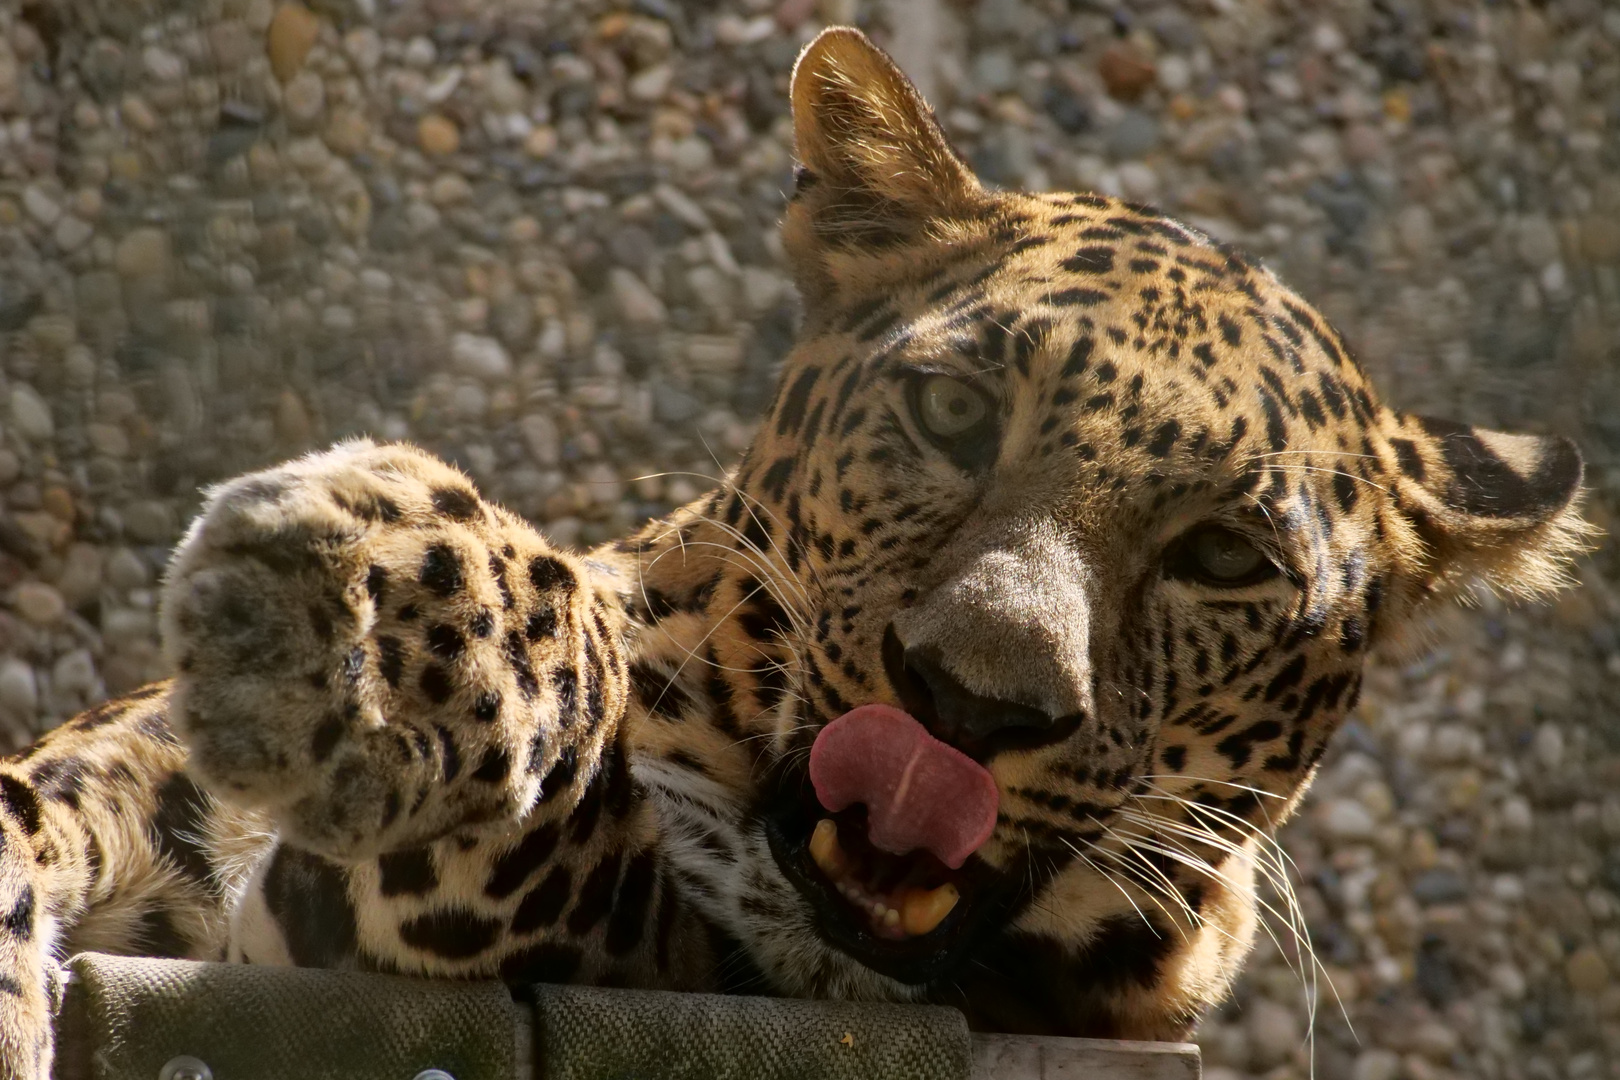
x=541 y=436
x=1600 y=239
x=1125 y=71
x=72 y=233
x=364 y=46
x=30 y=414
x=162 y=65
x=74 y=673
x=469 y=401
x=1439 y=886
x=38 y=602
x=140 y=116
x=994 y=71
x=40 y=206
x=149 y=521
x=1175 y=73
x=437 y=135
x=1346 y=819
x=1415 y=228
x=1587 y=971
x=108 y=439
x=304 y=98
x=540 y=142
x=57 y=501
x=1274 y=1033
x=638 y=305
x=1377 y=1064
x=449 y=189
x=293 y=31
x=144 y=255
x=1548 y=745
x=81 y=576
x=292 y=424
x=19 y=689
x=346 y=133
x=1537 y=241
x=126 y=571
x=651 y=84
x=481 y=357
x=1135 y=135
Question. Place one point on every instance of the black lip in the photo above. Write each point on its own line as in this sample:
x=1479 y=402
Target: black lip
x=988 y=900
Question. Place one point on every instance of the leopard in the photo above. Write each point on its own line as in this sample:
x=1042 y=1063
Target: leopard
x=983 y=680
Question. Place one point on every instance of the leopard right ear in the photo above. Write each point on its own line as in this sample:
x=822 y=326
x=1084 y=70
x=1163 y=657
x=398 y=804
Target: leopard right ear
x=1490 y=506
x=875 y=173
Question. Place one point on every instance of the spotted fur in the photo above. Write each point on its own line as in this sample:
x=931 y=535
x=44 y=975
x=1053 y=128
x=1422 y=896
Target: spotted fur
x=423 y=740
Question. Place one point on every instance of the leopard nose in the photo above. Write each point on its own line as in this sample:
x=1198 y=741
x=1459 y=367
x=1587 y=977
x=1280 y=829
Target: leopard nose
x=979 y=726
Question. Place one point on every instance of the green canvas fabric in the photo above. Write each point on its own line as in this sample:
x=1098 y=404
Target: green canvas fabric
x=583 y=1033
x=126 y=1017
x=129 y=1016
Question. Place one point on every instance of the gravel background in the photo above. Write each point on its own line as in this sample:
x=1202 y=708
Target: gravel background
x=537 y=236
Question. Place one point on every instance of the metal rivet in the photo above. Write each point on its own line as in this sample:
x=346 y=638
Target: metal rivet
x=186 y=1067
x=433 y=1074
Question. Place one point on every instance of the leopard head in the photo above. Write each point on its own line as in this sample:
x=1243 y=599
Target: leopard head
x=1110 y=516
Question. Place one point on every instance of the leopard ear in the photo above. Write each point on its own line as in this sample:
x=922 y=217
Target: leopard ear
x=1492 y=506
x=874 y=170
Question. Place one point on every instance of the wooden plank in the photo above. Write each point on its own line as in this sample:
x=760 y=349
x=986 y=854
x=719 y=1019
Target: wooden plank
x=1027 y=1057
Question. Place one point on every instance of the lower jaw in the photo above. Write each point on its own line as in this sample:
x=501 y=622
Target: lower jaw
x=905 y=958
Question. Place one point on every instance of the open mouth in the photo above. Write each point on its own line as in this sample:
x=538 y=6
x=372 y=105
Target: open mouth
x=880 y=844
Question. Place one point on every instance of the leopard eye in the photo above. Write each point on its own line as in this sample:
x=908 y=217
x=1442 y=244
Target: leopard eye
x=1215 y=555
x=948 y=408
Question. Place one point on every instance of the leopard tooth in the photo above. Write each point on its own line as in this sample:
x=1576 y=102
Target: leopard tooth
x=923 y=909
x=826 y=852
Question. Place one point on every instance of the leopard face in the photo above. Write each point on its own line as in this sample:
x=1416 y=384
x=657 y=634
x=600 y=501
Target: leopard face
x=1102 y=505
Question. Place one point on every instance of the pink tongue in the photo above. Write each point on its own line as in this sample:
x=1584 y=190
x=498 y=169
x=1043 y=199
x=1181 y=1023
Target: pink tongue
x=919 y=792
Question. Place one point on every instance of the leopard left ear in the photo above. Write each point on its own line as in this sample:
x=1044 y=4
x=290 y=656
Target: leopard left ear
x=874 y=169
x=1492 y=506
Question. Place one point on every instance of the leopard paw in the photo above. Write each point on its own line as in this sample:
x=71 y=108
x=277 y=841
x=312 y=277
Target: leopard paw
x=375 y=654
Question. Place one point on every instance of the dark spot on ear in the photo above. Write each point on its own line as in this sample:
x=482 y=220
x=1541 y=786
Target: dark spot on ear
x=19 y=799
x=62 y=779
x=1406 y=454
x=1482 y=483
